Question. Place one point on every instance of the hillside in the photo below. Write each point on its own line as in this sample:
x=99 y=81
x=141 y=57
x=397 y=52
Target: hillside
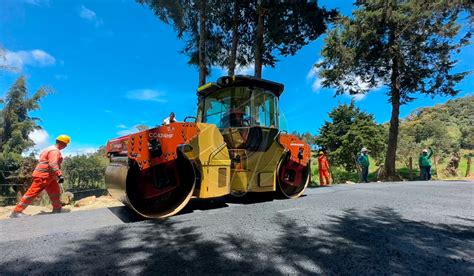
x=455 y=117
x=448 y=128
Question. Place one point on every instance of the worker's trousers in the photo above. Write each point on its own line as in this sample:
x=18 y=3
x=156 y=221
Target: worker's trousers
x=324 y=178
x=365 y=174
x=39 y=184
x=426 y=172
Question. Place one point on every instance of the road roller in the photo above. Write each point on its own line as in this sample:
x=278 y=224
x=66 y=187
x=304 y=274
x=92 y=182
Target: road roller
x=233 y=146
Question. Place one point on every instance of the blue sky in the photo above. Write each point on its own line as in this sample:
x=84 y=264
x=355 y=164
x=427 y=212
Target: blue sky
x=114 y=65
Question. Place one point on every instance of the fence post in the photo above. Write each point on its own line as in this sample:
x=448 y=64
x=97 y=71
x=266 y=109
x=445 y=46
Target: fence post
x=410 y=167
x=468 y=168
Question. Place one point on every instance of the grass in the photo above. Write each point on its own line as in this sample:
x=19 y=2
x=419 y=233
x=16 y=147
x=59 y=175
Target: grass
x=341 y=176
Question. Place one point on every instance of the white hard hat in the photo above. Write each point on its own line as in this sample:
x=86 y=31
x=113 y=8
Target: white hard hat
x=425 y=150
x=364 y=150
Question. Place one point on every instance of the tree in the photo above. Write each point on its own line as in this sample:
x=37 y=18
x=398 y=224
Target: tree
x=284 y=26
x=16 y=122
x=191 y=20
x=15 y=127
x=236 y=47
x=85 y=171
x=405 y=45
x=234 y=33
x=349 y=131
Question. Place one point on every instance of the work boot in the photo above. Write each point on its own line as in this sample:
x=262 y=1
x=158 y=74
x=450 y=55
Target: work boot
x=18 y=215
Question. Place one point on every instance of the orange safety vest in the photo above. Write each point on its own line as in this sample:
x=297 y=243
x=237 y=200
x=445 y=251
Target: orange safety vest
x=49 y=163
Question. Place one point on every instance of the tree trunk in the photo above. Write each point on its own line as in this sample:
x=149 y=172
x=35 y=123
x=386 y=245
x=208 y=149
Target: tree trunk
x=202 y=45
x=390 y=170
x=235 y=40
x=259 y=43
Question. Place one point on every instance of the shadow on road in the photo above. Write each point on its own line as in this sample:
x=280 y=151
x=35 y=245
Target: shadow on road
x=378 y=241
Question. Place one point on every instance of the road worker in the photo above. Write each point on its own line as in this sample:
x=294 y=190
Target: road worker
x=363 y=162
x=46 y=176
x=324 y=175
x=425 y=164
x=169 y=119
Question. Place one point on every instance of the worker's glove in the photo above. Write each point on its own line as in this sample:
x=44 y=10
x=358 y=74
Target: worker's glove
x=61 y=179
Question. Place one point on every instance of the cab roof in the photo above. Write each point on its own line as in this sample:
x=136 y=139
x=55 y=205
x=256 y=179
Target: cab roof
x=240 y=81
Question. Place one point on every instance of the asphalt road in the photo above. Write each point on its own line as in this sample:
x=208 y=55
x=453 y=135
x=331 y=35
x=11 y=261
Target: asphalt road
x=378 y=228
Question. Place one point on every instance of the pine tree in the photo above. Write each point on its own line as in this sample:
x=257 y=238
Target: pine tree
x=406 y=45
x=15 y=126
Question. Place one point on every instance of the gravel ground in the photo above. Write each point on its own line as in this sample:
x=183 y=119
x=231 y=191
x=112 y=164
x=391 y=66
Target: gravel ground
x=376 y=228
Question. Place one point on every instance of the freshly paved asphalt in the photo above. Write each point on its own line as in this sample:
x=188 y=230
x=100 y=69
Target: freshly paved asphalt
x=377 y=228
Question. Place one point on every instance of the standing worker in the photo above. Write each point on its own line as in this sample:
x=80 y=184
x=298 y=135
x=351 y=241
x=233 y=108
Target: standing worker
x=363 y=161
x=324 y=175
x=46 y=176
x=425 y=164
x=169 y=119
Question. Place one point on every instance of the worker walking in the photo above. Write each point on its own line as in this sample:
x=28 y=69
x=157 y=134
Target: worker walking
x=363 y=161
x=169 y=119
x=425 y=164
x=46 y=176
x=324 y=175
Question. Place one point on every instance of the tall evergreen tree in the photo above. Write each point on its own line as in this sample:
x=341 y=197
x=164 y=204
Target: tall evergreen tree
x=405 y=45
x=17 y=124
x=348 y=131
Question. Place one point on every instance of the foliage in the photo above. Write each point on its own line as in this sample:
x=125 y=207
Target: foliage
x=235 y=33
x=85 y=171
x=15 y=127
x=306 y=137
x=349 y=130
x=448 y=128
x=405 y=45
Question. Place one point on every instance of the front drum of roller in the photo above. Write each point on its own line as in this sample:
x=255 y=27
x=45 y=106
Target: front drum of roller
x=160 y=191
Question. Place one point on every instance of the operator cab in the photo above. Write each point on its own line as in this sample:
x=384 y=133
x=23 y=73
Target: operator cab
x=245 y=110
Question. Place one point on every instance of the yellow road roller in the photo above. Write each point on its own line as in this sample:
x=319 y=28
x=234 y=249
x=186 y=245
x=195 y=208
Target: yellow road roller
x=232 y=146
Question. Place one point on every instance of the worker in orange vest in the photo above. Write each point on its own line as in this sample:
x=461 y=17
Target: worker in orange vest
x=324 y=175
x=46 y=176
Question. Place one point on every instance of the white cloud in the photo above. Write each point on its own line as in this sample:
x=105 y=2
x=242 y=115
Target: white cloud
x=87 y=13
x=90 y=15
x=38 y=2
x=127 y=131
x=40 y=137
x=72 y=151
x=248 y=70
x=358 y=83
x=146 y=95
x=17 y=60
x=245 y=70
x=121 y=126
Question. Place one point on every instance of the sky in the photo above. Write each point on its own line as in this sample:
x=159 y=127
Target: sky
x=113 y=65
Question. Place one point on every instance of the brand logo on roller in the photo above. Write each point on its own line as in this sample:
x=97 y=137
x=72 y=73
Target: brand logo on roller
x=161 y=135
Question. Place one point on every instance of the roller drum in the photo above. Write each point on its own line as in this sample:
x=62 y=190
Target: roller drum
x=156 y=192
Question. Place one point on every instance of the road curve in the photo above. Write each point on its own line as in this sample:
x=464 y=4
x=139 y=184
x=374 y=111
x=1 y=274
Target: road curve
x=376 y=228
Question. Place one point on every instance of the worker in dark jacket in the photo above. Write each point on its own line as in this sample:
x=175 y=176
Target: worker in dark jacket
x=425 y=164
x=363 y=162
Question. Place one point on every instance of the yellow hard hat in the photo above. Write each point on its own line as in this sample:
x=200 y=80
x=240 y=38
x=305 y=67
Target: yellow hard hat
x=321 y=152
x=64 y=138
